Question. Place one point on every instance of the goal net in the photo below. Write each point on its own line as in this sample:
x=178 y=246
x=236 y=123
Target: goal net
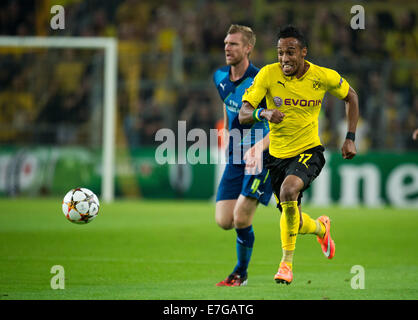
x=58 y=92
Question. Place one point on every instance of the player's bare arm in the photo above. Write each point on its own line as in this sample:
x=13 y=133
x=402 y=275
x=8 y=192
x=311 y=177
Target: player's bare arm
x=263 y=144
x=352 y=113
x=246 y=114
x=253 y=157
x=258 y=148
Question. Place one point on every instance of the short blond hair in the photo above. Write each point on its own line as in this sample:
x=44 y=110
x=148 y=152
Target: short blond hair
x=247 y=33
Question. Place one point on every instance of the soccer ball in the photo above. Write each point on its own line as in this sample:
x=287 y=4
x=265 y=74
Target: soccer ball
x=80 y=205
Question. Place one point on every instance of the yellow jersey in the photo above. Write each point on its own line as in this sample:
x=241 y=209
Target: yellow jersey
x=299 y=99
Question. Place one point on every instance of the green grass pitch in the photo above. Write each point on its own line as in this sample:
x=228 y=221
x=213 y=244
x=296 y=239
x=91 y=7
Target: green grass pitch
x=174 y=251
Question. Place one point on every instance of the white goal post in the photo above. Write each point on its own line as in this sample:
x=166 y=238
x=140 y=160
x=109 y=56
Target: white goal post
x=109 y=45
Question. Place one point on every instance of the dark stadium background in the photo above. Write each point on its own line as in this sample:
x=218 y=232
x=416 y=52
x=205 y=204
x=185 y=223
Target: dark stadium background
x=379 y=61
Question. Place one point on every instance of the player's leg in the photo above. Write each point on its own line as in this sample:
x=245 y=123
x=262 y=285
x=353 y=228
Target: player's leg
x=302 y=170
x=289 y=225
x=243 y=216
x=224 y=217
x=320 y=227
x=244 y=211
x=311 y=226
x=255 y=189
x=224 y=213
x=279 y=169
x=291 y=216
x=228 y=192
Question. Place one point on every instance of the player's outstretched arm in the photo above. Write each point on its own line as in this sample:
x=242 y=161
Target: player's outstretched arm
x=352 y=112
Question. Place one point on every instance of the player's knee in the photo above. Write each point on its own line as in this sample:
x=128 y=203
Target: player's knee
x=241 y=222
x=242 y=218
x=289 y=193
x=244 y=211
x=226 y=224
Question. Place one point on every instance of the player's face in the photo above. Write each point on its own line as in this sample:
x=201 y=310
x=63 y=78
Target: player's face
x=235 y=49
x=291 y=55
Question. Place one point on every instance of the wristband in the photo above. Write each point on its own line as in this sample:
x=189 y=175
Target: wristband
x=257 y=114
x=351 y=136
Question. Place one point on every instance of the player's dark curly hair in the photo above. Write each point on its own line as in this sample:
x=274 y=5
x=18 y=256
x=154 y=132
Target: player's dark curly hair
x=290 y=31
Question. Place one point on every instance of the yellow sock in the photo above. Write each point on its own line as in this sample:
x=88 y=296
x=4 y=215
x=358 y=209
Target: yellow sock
x=288 y=257
x=289 y=224
x=311 y=226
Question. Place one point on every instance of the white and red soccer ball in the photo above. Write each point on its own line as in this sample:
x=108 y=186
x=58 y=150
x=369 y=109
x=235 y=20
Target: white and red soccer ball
x=80 y=205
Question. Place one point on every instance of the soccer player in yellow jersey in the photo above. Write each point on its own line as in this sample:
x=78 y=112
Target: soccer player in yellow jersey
x=294 y=89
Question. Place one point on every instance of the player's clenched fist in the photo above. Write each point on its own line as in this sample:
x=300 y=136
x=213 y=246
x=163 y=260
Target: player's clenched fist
x=273 y=115
x=349 y=149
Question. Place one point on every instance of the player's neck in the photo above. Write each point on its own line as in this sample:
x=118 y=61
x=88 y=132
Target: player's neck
x=238 y=70
x=302 y=70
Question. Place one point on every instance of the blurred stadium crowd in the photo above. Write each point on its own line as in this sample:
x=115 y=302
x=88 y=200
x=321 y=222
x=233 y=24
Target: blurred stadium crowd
x=168 y=51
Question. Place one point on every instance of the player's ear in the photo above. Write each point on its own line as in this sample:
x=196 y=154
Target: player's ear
x=249 y=49
x=304 y=52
